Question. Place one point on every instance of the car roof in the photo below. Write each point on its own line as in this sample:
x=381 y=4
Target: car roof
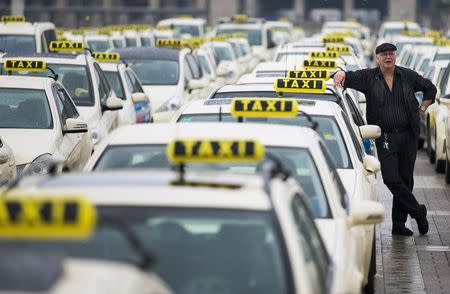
x=313 y=107
x=258 y=87
x=21 y=28
x=24 y=82
x=149 y=53
x=279 y=135
x=96 y=37
x=155 y=188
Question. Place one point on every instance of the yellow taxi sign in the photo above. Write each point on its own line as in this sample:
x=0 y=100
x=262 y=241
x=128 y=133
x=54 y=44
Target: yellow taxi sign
x=239 y=35
x=24 y=65
x=57 y=46
x=324 y=55
x=333 y=39
x=195 y=42
x=163 y=28
x=13 y=18
x=264 y=107
x=106 y=56
x=319 y=64
x=308 y=74
x=340 y=49
x=44 y=218
x=220 y=38
x=214 y=151
x=290 y=85
x=240 y=18
x=171 y=43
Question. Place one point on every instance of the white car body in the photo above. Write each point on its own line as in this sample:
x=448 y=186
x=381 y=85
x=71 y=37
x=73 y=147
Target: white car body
x=41 y=32
x=48 y=141
x=441 y=53
x=118 y=41
x=231 y=59
x=345 y=243
x=186 y=25
x=209 y=67
x=390 y=30
x=7 y=163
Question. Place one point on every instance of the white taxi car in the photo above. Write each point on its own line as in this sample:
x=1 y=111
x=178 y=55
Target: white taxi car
x=7 y=161
x=39 y=111
x=186 y=26
x=170 y=76
x=37 y=250
x=126 y=85
x=87 y=85
x=20 y=37
x=300 y=149
x=235 y=234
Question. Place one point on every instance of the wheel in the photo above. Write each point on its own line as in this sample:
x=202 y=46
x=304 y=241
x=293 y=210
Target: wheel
x=447 y=170
x=421 y=143
x=370 y=286
x=430 y=151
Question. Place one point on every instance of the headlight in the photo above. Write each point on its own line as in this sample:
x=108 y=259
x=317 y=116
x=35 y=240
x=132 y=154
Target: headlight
x=95 y=136
x=171 y=105
x=40 y=165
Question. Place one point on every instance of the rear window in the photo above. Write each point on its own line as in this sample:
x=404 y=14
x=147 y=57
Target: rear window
x=20 y=44
x=156 y=72
x=98 y=45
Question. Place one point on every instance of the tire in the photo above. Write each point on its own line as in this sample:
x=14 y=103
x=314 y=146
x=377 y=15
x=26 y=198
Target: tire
x=370 y=286
x=447 y=170
x=430 y=151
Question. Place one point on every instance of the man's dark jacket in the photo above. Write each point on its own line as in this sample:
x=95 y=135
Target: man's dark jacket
x=371 y=83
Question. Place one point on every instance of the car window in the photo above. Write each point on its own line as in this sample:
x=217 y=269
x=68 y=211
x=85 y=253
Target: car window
x=24 y=109
x=311 y=244
x=103 y=87
x=359 y=150
x=18 y=44
x=195 y=67
x=137 y=87
x=188 y=75
x=204 y=64
x=156 y=72
x=223 y=53
x=98 y=45
x=63 y=113
x=50 y=35
x=115 y=82
x=254 y=35
x=69 y=106
x=356 y=114
x=444 y=80
x=339 y=187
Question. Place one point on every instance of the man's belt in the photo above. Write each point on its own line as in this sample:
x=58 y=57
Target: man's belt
x=395 y=131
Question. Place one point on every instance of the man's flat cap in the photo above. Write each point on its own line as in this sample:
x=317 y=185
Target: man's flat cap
x=385 y=47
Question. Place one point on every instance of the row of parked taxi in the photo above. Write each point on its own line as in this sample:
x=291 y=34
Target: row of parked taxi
x=249 y=171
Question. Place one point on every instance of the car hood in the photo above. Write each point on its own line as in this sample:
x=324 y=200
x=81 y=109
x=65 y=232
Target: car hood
x=27 y=144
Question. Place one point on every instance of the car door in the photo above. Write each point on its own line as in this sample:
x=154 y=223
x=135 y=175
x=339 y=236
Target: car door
x=133 y=85
x=109 y=118
x=74 y=148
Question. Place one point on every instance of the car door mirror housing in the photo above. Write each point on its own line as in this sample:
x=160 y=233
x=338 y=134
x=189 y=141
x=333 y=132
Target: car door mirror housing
x=370 y=131
x=196 y=84
x=75 y=125
x=366 y=212
x=112 y=104
x=371 y=164
x=139 y=97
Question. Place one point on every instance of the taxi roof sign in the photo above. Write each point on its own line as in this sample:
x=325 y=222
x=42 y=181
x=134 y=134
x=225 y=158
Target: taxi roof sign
x=324 y=55
x=171 y=43
x=58 y=46
x=290 y=85
x=264 y=107
x=40 y=217
x=339 y=48
x=308 y=74
x=13 y=18
x=214 y=151
x=333 y=39
x=319 y=64
x=240 y=18
x=106 y=56
x=24 y=65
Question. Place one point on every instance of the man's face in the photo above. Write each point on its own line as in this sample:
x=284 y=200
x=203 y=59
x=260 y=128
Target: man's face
x=386 y=59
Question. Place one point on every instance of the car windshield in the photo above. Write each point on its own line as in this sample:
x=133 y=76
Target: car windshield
x=223 y=53
x=298 y=160
x=18 y=44
x=98 y=45
x=118 y=44
x=442 y=56
x=424 y=65
x=234 y=251
x=131 y=41
x=114 y=80
x=273 y=94
x=75 y=79
x=204 y=64
x=24 y=109
x=146 y=42
x=193 y=30
x=156 y=72
x=254 y=35
x=328 y=129
x=292 y=57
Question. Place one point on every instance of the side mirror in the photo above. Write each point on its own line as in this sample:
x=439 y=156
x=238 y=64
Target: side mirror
x=75 y=125
x=112 y=103
x=223 y=70
x=4 y=157
x=371 y=164
x=370 y=131
x=139 y=97
x=438 y=95
x=195 y=84
x=366 y=212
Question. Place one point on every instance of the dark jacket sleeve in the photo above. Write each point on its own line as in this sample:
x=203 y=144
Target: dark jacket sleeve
x=426 y=86
x=358 y=80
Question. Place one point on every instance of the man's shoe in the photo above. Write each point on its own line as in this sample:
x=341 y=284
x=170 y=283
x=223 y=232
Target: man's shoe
x=402 y=231
x=422 y=222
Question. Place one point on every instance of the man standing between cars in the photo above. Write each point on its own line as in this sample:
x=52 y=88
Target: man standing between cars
x=391 y=104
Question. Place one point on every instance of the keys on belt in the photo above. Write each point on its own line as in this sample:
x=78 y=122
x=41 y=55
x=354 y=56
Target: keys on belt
x=385 y=142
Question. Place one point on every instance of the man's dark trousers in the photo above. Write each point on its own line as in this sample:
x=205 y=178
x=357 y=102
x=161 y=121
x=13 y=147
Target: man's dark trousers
x=397 y=168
